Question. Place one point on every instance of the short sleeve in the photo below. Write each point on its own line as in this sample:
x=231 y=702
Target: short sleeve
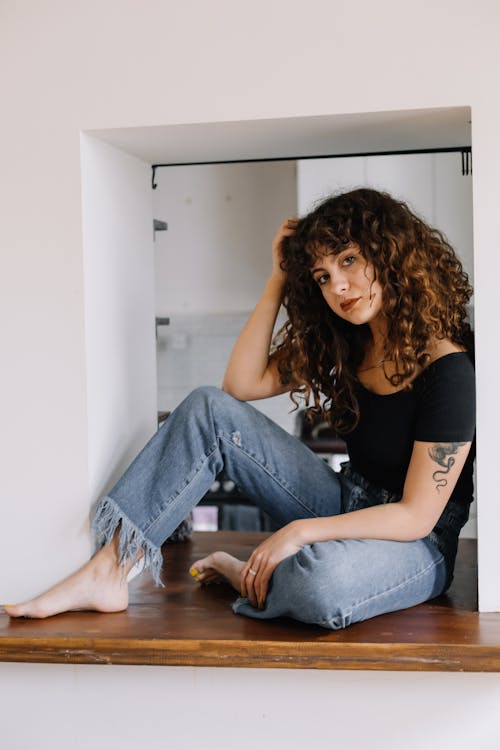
x=447 y=400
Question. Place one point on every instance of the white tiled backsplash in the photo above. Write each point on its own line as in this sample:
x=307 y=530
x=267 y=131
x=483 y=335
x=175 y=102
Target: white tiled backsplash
x=194 y=350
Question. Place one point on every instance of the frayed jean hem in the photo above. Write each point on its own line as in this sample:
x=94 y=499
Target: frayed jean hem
x=109 y=518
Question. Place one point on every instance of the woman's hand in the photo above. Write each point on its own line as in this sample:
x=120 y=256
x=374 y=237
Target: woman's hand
x=260 y=566
x=286 y=230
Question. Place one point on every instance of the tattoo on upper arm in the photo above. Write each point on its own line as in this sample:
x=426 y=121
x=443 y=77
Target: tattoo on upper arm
x=442 y=454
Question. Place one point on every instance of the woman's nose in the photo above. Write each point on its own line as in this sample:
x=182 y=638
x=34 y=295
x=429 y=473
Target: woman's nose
x=338 y=283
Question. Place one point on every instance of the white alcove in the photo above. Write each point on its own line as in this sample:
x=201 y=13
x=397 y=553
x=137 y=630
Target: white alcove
x=191 y=273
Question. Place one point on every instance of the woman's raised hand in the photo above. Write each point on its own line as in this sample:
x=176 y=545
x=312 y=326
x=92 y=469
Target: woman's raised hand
x=286 y=230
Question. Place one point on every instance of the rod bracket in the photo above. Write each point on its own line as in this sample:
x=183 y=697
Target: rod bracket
x=466 y=161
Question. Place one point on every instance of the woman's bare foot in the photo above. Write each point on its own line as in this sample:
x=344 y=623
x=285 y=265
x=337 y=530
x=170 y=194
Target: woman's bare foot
x=217 y=567
x=100 y=585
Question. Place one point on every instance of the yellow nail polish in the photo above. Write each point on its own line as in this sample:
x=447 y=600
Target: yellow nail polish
x=194 y=572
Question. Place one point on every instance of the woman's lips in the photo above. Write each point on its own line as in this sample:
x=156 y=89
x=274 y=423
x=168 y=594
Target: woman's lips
x=348 y=304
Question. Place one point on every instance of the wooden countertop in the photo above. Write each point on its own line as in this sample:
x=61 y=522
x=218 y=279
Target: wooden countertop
x=186 y=624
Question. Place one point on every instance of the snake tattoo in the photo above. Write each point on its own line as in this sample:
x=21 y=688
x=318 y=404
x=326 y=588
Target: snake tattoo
x=442 y=454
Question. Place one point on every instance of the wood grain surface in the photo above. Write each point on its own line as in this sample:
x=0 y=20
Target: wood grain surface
x=188 y=624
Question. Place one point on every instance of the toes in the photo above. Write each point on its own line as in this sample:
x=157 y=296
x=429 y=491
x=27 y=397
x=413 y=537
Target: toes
x=202 y=571
x=200 y=566
x=13 y=610
x=205 y=576
x=197 y=572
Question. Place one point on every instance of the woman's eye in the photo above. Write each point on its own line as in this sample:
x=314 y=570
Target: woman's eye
x=322 y=279
x=349 y=260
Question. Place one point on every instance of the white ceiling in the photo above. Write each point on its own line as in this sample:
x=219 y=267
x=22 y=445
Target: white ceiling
x=293 y=137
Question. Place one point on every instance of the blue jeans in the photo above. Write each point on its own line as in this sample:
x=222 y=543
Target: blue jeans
x=333 y=583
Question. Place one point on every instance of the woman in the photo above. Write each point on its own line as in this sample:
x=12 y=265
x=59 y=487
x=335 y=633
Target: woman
x=377 y=340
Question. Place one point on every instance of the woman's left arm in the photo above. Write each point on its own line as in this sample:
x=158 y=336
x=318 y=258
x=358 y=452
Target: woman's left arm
x=431 y=477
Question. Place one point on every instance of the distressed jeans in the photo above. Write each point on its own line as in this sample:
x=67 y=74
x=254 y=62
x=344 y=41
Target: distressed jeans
x=332 y=584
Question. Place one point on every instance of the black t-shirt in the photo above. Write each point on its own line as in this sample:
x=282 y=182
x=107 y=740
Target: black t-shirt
x=439 y=408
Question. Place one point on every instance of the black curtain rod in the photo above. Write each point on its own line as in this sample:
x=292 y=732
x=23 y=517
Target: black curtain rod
x=466 y=151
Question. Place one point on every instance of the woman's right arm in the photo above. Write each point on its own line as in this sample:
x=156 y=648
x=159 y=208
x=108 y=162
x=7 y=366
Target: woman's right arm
x=251 y=373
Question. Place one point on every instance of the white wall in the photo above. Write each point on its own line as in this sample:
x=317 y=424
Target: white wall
x=119 y=310
x=158 y=708
x=117 y=63
x=216 y=254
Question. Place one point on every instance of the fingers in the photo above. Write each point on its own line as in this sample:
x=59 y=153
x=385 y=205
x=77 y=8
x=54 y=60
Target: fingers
x=261 y=585
x=286 y=229
x=289 y=226
x=255 y=579
x=249 y=575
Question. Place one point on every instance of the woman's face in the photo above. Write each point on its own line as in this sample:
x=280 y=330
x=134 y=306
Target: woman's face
x=348 y=285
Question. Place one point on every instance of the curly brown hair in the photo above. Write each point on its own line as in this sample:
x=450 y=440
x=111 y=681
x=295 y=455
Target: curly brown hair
x=424 y=295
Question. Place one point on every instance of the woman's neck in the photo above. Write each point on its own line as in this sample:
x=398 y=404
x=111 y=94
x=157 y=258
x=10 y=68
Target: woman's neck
x=377 y=346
